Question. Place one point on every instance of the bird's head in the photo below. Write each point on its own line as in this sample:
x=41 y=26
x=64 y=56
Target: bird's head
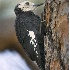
x=26 y=6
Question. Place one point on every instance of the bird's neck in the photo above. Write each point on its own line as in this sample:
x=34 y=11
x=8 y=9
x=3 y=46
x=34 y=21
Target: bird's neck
x=28 y=13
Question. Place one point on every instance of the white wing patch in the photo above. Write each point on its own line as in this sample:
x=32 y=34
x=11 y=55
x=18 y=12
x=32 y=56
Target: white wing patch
x=32 y=41
x=31 y=33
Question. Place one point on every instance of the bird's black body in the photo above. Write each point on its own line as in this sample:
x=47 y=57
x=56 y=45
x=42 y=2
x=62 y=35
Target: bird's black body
x=25 y=23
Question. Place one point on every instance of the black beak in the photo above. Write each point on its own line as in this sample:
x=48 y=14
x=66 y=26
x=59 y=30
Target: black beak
x=38 y=4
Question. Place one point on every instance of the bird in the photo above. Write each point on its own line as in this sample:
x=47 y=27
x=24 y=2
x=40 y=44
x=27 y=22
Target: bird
x=30 y=31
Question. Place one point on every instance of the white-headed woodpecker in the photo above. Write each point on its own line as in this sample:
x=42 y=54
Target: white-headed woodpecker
x=29 y=32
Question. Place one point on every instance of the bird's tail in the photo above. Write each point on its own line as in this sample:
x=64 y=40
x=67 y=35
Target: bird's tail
x=41 y=59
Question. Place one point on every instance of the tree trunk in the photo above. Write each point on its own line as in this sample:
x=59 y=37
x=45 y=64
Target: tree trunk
x=55 y=17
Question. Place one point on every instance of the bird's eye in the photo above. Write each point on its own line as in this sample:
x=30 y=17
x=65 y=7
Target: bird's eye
x=27 y=3
x=18 y=4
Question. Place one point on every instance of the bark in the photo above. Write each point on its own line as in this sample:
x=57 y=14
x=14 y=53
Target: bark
x=55 y=17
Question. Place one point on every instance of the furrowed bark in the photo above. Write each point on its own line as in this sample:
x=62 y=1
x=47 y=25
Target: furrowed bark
x=55 y=17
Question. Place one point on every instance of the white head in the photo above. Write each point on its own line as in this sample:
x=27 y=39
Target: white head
x=27 y=6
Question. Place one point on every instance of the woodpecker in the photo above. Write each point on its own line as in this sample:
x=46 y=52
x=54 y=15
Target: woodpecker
x=29 y=32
